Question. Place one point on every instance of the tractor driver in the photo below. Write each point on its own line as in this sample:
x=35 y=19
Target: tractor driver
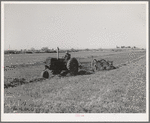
x=67 y=56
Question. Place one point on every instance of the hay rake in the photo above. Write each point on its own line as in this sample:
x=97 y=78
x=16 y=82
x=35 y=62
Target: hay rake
x=98 y=65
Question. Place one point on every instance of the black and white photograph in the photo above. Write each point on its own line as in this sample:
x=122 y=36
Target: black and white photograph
x=74 y=61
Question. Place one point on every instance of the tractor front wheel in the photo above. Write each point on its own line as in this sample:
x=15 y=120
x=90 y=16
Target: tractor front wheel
x=45 y=74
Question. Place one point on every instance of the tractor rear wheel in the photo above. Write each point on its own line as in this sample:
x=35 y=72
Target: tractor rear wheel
x=72 y=66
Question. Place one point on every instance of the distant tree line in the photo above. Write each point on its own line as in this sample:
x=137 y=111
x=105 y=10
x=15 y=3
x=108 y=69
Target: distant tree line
x=47 y=50
x=126 y=47
x=33 y=50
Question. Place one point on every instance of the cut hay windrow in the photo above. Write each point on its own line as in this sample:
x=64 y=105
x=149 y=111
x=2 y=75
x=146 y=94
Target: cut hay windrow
x=21 y=81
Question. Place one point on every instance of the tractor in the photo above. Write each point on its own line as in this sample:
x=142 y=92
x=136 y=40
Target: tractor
x=57 y=65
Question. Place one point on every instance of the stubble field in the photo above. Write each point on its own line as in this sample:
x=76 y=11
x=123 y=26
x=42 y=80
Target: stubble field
x=122 y=90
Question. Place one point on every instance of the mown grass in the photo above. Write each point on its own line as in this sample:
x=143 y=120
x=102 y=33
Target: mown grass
x=122 y=90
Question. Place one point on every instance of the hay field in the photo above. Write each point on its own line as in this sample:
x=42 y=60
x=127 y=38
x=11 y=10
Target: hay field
x=30 y=66
x=122 y=90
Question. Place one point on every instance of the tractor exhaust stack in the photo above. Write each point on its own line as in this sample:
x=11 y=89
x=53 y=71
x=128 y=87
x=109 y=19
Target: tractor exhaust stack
x=57 y=53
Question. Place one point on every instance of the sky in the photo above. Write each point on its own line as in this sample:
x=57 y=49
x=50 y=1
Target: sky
x=76 y=26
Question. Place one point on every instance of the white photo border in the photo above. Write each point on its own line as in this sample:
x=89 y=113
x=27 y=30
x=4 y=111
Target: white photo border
x=71 y=116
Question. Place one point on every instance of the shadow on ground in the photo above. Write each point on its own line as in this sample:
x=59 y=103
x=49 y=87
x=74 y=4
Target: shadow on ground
x=81 y=72
x=85 y=72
